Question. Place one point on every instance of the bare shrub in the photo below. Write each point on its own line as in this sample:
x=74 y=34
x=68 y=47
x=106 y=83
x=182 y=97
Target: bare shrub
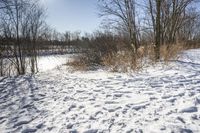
x=121 y=61
x=110 y=51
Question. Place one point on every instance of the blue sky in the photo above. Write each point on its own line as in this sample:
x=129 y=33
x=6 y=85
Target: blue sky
x=72 y=15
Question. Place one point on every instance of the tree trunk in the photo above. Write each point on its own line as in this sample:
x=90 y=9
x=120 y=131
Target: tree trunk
x=158 y=29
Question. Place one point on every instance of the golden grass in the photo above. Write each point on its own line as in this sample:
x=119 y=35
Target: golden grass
x=124 y=61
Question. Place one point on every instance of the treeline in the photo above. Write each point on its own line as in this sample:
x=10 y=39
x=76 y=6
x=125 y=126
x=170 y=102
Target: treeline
x=21 y=24
x=142 y=22
x=24 y=35
x=156 y=29
x=159 y=21
x=128 y=25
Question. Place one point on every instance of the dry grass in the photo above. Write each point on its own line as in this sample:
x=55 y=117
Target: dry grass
x=192 y=45
x=168 y=53
x=124 y=61
x=78 y=64
x=116 y=62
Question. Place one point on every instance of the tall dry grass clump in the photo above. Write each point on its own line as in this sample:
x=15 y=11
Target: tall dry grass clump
x=171 y=52
x=122 y=61
x=78 y=64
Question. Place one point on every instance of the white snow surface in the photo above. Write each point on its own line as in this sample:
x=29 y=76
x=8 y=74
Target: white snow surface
x=50 y=62
x=159 y=99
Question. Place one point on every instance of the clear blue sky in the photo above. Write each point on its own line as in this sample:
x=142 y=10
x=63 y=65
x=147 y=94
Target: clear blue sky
x=72 y=15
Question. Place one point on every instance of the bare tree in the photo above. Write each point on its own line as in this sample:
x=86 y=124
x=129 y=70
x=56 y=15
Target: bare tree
x=175 y=14
x=123 y=13
x=36 y=22
x=177 y=17
x=22 y=20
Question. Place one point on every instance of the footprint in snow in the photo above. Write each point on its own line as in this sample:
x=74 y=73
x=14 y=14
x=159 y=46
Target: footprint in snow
x=71 y=107
x=171 y=100
x=29 y=130
x=188 y=109
x=91 y=131
x=112 y=109
x=22 y=122
x=118 y=95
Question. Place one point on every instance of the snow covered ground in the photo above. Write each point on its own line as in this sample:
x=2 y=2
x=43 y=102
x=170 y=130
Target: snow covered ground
x=50 y=62
x=159 y=99
x=45 y=62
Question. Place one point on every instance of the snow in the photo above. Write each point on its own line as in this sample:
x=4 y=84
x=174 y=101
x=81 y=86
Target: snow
x=159 y=99
x=46 y=63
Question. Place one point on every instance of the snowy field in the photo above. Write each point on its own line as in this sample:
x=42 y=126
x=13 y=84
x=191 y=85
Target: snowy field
x=45 y=62
x=159 y=99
